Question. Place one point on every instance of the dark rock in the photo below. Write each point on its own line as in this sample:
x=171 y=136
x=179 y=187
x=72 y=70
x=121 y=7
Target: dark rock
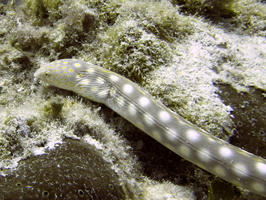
x=74 y=170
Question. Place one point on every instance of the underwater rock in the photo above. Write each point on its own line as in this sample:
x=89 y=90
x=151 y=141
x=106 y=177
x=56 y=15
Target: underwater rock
x=248 y=111
x=72 y=171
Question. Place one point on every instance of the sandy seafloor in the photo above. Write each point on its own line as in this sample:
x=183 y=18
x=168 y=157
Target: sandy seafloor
x=205 y=60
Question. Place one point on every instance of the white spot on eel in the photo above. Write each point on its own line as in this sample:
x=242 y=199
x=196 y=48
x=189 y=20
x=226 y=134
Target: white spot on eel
x=128 y=88
x=164 y=116
x=226 y=152
x=193 y=135
x=144 y=101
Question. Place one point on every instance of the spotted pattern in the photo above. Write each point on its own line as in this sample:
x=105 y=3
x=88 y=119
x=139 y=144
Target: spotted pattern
x=114 y=78
x=164 y=116
x=204 y=154
x=132 y=109
x=144 y=101
x=226 y=152
x=121 y=101
x=131 y=102
x=148 y=119
x=171 y=135
x=193 y=135
x=261 y=168
x=128 y=88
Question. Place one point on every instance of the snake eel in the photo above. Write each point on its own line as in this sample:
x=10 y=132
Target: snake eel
x=126 y=98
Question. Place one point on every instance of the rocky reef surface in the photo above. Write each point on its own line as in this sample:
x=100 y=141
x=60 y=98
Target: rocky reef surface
x=205 y=60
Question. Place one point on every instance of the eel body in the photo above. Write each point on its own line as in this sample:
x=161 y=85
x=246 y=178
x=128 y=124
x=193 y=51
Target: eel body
x=137 y=106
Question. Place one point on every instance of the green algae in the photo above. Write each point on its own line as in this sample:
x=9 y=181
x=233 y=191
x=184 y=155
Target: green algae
x=53 y=107
x=108 y=11
x=139 y=44
x=146 y=53
x=4 y=145
x=248 y=15
x=43 y=11
x=210 y=8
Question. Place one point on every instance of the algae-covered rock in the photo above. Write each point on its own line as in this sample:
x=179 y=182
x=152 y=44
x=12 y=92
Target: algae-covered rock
x=74 y=170
x=177 y=49
x=247 y=15
x=138 y=44
x=53 y=107
x=135 y=53
x=43 y=11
